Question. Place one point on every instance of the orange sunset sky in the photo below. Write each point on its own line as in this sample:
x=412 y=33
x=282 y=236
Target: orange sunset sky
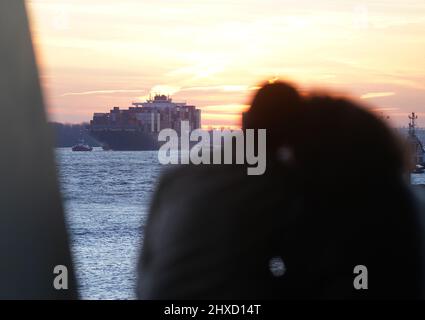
x=96 y=54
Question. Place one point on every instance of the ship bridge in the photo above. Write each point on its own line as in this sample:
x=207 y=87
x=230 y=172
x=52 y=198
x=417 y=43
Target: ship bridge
x=159 y=101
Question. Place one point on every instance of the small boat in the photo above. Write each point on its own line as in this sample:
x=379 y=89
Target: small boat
x=418 y=169
x=82 y=147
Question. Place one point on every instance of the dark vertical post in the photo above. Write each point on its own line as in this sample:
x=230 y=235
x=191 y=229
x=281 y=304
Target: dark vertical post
x=33 y=238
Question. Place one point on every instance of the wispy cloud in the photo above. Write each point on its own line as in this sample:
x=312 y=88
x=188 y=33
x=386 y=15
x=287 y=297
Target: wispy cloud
x=95 y=92
x=225 y=88
x=371 y=95
x=226 y=109
x=385 y=109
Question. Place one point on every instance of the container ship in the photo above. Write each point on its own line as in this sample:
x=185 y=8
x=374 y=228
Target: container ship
x=137 y=127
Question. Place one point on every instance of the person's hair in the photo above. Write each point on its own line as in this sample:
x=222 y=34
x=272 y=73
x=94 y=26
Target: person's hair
x=274 y=108
x=349 y=167
x=336 y=132
x=339 y=135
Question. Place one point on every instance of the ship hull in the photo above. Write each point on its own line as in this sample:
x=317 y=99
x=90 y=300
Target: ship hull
x=126 y=140
x=82 y=148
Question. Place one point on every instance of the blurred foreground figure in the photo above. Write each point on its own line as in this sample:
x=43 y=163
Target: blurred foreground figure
x=333 y=198
x=33 y=238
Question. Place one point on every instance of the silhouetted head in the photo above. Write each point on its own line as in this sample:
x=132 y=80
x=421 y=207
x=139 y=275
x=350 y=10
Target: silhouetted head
x=274 y=108
x=338 y=138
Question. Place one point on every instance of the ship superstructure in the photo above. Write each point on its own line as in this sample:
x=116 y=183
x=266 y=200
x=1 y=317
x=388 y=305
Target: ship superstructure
x=137 y=128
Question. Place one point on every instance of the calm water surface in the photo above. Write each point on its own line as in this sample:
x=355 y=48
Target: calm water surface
x=106 y=196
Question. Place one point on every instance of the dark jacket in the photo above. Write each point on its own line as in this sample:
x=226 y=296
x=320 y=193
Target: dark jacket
x=213 y=231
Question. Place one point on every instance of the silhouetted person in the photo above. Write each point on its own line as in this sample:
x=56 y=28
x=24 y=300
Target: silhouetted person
x=332 y=198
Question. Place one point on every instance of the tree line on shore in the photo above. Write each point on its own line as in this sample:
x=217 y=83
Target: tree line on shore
x=67 y=135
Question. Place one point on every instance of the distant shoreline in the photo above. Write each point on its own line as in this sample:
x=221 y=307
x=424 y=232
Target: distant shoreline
x=68 y=135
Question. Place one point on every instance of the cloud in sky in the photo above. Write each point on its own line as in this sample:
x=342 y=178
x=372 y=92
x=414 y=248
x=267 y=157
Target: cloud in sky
x=95 y=92
x=372 y=95
x=385 y=109
x=226 y=109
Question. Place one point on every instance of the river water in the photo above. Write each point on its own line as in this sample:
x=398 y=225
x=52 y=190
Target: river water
x=106 y=196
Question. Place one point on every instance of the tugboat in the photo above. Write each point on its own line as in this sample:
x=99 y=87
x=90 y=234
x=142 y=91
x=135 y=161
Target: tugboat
x=416 y=146
x=82 y=147
x=418 y=169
